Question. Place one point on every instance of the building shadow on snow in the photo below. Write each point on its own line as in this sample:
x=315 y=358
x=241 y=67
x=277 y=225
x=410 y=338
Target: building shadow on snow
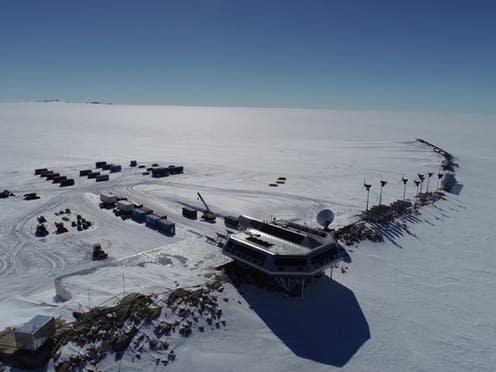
x=327 y=325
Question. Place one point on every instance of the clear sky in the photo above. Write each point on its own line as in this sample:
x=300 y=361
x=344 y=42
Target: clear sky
x=414 y=55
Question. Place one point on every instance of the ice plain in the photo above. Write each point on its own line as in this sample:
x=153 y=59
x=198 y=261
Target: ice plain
x=421 y=301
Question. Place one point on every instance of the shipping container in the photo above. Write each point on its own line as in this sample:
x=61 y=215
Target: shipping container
x=100 y=164
x=45 y=173
x=102 y=177
x=84 y=172
x=93 y=174
x=139 y=214
x=67 y=182
x=59 y=179
x=166 y=227
x=115 y=168
x=133 y=163
x=51 y=176
x=107 y=166
x=160 y=172
x=124 y=206
x=176 y=170
x=190 y=213
x=151 y=220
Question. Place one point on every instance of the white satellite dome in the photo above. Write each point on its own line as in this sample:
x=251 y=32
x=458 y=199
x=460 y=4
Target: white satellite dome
x=325 y=218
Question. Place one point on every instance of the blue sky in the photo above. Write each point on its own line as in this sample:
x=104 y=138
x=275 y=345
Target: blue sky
x=363 y=55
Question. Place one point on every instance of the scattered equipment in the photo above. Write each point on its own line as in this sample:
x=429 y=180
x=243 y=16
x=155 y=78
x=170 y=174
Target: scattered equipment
x=5 y=194
x=41 y=230
x=31 y=196
x=208 y=215
x=98 y=252
x=60 y=227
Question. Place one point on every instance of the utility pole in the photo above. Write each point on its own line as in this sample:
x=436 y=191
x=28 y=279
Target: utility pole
x=367 y=187
x=383 y=183
x=439 y=176
x=417 y=183
x=421 y=178
x=429 y=175
x=405 y=180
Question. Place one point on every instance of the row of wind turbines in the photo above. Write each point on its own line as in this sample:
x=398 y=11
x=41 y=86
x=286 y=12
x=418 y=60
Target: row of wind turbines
x=419 y=183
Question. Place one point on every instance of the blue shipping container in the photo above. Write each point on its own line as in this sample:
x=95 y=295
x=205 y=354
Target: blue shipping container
x=166 y=227
x=133 y=163
x=115 y=168
x=151 y=220
x=139 y=215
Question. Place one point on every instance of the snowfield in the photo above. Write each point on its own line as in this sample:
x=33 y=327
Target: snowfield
x=424 y=300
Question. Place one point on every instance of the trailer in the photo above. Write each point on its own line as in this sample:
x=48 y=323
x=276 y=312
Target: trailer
x=166 y=227
x=190 y=213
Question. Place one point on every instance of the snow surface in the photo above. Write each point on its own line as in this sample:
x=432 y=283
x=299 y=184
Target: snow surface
x=423 y=300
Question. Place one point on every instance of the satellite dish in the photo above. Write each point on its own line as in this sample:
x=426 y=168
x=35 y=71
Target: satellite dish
x=325 y=218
